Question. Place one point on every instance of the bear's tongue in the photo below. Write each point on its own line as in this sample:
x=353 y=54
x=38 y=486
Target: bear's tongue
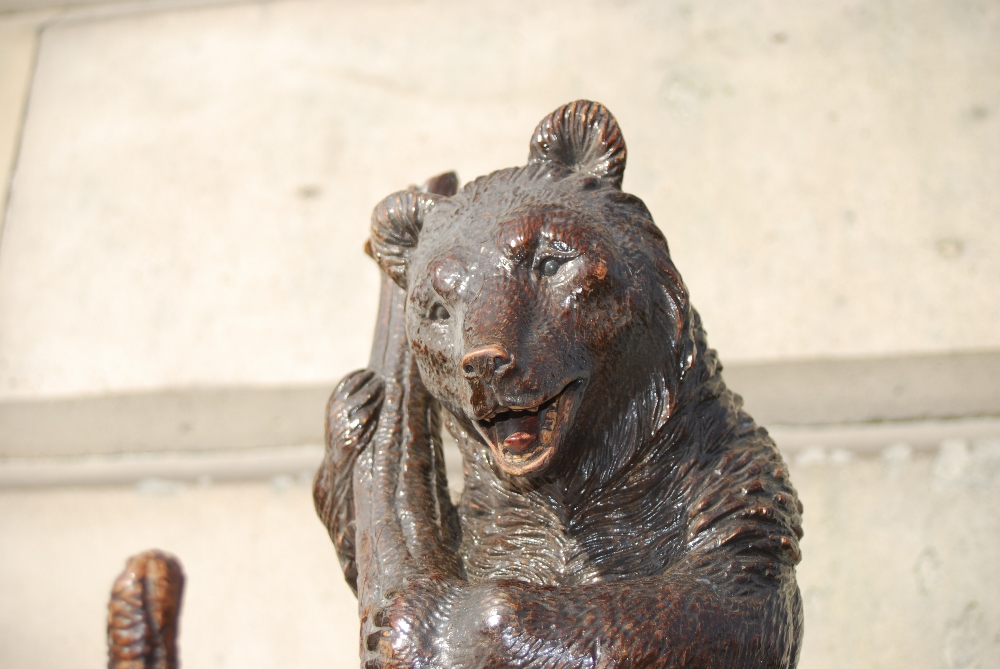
x=520 y=431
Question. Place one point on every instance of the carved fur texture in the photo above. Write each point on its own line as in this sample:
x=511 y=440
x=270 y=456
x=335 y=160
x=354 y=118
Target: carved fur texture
x=620 y=508
x=143 y=613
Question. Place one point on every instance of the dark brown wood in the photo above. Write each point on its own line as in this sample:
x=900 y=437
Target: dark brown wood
x=143 y=612
x=620 y=509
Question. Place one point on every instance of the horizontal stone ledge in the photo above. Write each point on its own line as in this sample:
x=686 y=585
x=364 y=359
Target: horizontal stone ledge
x=169 y=471
x=784 y=396
x=55 y=11
x=171 y=420
x=873 y=438
x=904 y=388
x=156 y=472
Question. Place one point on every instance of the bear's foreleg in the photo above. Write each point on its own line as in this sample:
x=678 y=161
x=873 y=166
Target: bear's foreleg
x=406 y=526
x=668 y=622
x=351 y=417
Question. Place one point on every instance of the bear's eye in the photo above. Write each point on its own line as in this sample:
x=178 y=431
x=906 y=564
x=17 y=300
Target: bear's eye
x=439 y=313
x=550 y=266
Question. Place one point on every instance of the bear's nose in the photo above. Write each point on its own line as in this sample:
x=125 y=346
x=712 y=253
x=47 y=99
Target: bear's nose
x=486 y=362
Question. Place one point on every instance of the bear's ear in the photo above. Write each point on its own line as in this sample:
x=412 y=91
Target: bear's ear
x=443 y=184
x=396 y=224
x=583 y=136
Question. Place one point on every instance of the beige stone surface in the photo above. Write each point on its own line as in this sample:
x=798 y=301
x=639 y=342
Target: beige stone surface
x=900 y=555
x=194 y=186
x=17 y=51
x=899 y=568
x=89 y=9
x=192 y=191
x=263 y=583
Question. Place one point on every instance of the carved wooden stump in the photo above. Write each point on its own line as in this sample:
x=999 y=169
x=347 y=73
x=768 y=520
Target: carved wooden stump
x=143 y=613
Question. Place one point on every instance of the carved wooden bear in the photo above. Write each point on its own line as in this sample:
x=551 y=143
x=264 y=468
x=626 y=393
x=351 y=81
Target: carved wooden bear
x=620 y=510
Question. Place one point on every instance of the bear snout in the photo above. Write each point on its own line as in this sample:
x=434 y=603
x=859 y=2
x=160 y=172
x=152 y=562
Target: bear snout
x=486 y=362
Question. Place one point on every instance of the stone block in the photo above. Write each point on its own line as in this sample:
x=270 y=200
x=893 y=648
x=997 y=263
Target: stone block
x=194 y=186
x=899 y=565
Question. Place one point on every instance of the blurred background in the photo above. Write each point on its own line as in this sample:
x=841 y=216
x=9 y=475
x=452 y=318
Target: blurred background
x=186 y=189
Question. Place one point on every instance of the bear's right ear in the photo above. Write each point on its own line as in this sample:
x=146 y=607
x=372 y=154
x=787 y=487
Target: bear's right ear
x=584 y=137
x=396 y=224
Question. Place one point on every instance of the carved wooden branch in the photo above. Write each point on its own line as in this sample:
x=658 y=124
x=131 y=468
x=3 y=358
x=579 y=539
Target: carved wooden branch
x=143 y=613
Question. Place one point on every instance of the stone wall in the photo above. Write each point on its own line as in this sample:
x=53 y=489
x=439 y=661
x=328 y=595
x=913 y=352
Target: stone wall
x=186 y=189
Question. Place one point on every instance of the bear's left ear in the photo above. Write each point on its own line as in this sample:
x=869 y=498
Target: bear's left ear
x=398 y=219
x=584 y=137
x=396 y=224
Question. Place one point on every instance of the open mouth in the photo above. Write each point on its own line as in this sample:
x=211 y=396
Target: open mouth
x=524 y=440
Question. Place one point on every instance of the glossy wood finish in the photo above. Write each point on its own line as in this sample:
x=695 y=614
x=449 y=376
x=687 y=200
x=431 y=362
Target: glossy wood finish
x=620 y=510
x=143 y=613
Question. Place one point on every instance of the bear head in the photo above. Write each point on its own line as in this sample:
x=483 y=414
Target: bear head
x=542 y=306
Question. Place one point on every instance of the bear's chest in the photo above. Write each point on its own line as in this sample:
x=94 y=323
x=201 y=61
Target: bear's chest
x=530 y=536
x=525 y=542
